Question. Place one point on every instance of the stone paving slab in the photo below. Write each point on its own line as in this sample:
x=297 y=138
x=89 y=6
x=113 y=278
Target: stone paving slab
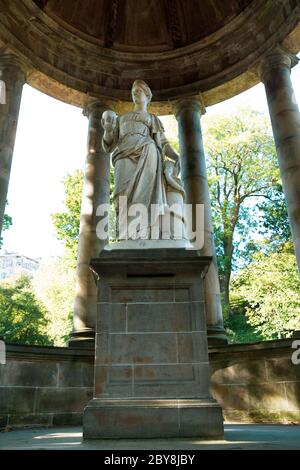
x=238 y=437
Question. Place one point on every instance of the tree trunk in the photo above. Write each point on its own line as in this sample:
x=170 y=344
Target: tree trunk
x=226 y=300
x=228 y=251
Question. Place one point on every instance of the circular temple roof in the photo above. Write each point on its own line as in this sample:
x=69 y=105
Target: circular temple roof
x=80 y=48
x=143 y=25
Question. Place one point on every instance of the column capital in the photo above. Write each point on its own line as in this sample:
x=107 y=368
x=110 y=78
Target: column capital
x=273 y=60
x=191 y=103
x=96 y=106
x=9 y=60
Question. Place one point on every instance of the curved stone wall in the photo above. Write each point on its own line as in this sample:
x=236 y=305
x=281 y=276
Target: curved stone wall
x=50 y=386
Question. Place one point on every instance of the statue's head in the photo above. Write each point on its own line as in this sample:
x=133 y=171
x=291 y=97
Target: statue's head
x=141 y=92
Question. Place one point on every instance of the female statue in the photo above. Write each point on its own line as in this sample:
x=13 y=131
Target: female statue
x=138 y=145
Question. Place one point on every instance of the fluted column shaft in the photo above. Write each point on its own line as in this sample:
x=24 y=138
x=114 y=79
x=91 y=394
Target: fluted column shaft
x=96 y=191
x=12 y=78
x=194 y=177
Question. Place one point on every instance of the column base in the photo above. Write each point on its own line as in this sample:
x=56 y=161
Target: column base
x=216 y=336
x=83 y=339
x=152 y=418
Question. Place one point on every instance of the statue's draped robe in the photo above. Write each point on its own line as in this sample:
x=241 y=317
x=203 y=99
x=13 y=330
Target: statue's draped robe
x=137 y=152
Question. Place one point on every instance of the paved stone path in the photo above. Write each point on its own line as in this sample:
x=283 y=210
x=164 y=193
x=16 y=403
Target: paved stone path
x=250 y=436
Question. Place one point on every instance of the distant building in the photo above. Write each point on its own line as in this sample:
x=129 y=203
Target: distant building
x=12 y=265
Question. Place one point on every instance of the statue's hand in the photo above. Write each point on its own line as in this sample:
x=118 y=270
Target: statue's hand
x=109 y=120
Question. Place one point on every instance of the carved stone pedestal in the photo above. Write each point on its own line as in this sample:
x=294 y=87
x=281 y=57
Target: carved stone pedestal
x=151 y=365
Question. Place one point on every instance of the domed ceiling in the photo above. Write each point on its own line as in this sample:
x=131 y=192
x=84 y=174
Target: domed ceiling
x=143 y=25
x=77 y=50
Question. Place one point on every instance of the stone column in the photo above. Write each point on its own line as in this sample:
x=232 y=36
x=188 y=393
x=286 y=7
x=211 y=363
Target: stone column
x=95 y=192
x=274 y=70
x=12 y=76
x=193 y=174
x=285 y=117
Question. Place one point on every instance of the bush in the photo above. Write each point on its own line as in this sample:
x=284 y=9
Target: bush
x=238 y=330
x=22 y=317
x=270 y=289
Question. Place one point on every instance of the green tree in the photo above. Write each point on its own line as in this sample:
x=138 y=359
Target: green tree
x=54 y=286
x=242 y=167
x=54 y=282
x=270 y=290
x=274 y=224
x=7 y=222
x=67 y=223
x=239 y=330
x=22 y=317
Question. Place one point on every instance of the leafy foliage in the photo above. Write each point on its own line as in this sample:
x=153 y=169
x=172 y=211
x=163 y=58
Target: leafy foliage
x=274 y=219
x=22 y=317
x=54 y=286
x=251 y=226
x=67 y=223
x=7 y=222
x=239 y=330
x=55 y=281
x=270 y=286
x=241 y=163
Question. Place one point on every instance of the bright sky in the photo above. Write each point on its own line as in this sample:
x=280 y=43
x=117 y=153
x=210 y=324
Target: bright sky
x=50 y=143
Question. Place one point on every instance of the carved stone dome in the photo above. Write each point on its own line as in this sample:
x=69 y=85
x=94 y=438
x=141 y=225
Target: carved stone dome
x=143 y=25
x=76 y=48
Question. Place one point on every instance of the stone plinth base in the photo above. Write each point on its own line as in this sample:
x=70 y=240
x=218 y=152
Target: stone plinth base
x=216 y=336
x=146 y=419
x=152 y=375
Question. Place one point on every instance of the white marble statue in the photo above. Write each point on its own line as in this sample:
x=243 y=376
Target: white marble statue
x=175 y=229
x=139 y=149
x=173 y=181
